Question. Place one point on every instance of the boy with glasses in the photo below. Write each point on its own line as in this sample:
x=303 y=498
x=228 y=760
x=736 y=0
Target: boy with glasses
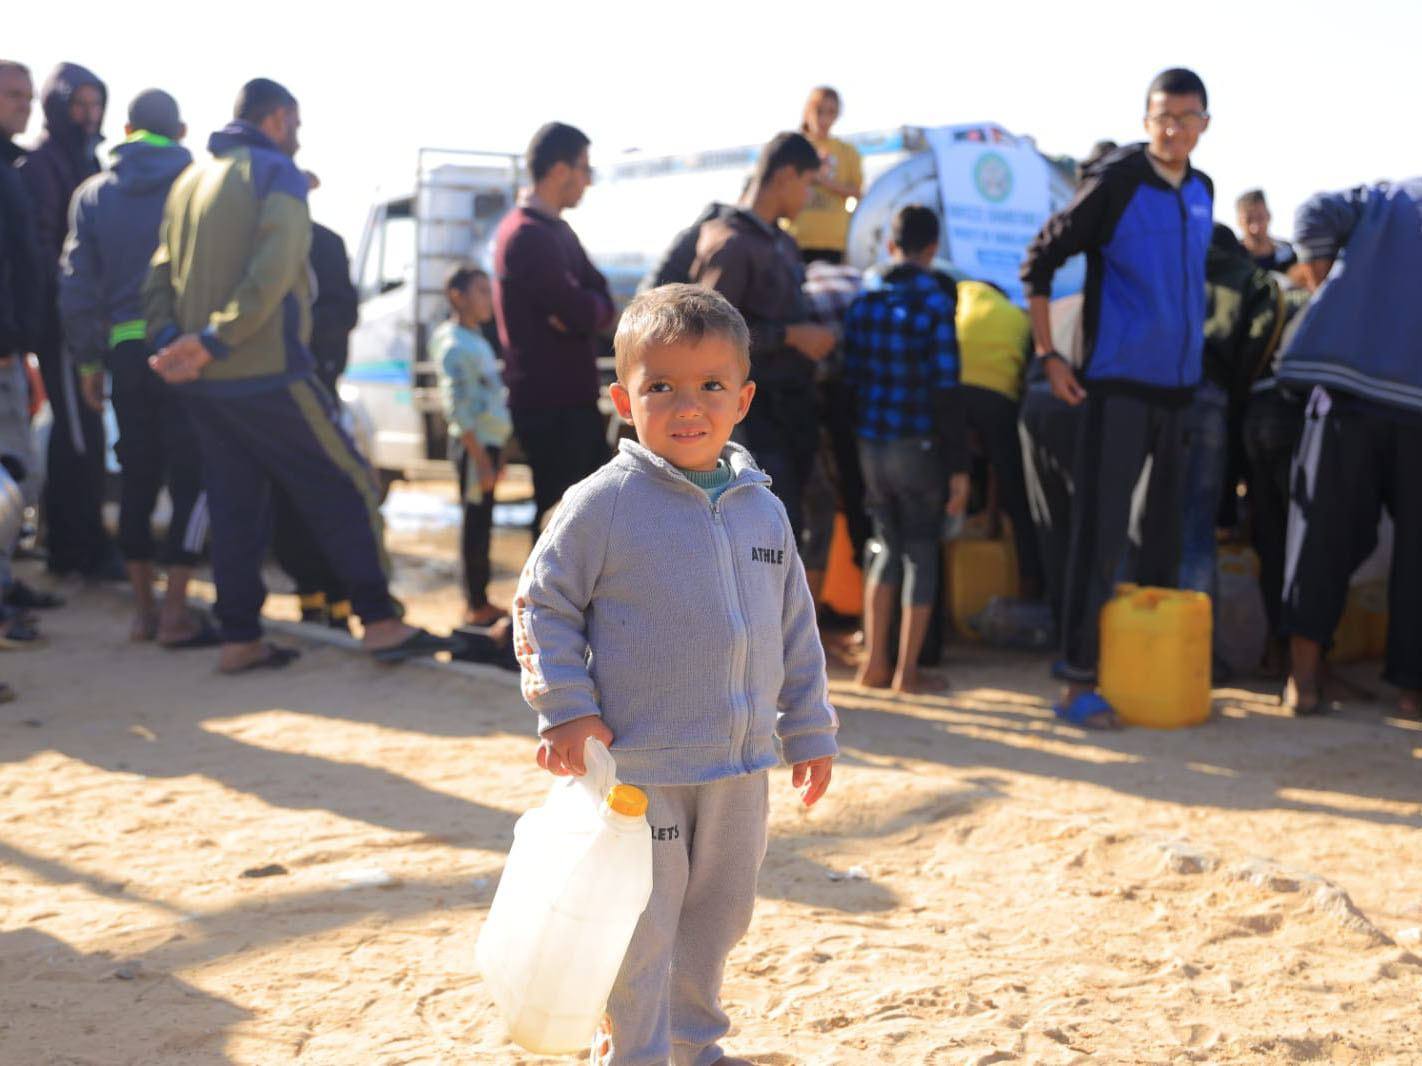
x=1142 y=215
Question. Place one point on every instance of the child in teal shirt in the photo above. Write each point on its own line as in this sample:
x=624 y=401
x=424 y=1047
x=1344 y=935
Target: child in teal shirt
x=473 y=395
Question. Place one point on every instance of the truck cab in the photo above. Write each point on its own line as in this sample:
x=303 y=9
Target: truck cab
x=407 y=248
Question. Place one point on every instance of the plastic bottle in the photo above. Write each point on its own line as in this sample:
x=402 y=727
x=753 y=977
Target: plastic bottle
x=577 y=878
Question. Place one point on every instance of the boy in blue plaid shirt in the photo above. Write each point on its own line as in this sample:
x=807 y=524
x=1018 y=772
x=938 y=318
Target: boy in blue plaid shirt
x=901 y=365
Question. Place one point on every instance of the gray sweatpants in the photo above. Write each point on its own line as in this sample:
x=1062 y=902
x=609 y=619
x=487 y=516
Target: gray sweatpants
x=708 y=842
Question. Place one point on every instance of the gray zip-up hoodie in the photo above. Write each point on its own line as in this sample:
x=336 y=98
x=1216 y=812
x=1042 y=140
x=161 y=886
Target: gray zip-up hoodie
x=687 y=625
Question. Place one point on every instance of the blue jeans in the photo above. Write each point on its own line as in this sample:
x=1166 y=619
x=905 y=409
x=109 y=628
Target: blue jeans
x=1206 y=442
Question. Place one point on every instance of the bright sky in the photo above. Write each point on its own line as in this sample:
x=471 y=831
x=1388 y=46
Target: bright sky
x=1306 y=95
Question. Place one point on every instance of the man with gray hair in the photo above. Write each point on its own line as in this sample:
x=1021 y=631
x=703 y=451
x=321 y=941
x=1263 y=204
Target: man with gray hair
x=114 y=219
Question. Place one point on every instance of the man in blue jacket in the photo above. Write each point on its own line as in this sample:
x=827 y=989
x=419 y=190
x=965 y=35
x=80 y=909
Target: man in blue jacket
x=1142 y=216
x=1359 y=347
x=113 y=229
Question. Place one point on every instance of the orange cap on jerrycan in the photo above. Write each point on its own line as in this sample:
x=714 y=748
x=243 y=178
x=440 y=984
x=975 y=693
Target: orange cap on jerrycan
x=627 y=799
x=1155 y=656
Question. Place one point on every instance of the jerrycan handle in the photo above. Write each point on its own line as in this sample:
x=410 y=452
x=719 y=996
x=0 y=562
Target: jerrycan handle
x=602 y=772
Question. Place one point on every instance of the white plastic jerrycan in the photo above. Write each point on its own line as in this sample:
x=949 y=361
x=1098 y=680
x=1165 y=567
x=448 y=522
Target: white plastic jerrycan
x=578 y=877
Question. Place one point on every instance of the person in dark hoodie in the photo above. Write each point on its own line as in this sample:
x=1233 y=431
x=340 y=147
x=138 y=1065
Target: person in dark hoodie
x=1358 y=347
x=74 y=103
x=1143 y=218
x=228 y=307
x=750 y=260
x=113 y=230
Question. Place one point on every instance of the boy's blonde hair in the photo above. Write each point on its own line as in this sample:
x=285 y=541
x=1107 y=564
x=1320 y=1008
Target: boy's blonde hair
x=674 y=314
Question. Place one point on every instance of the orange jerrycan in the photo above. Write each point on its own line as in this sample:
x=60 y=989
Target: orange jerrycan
x=844 y=582
x=1155 y=656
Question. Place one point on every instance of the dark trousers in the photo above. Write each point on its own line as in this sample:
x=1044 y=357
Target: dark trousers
x=994 y=418
x=782 y=432
x=156 y=446
x=1353 y=459
x=74 y=474
x=1048 y=429
x=1273 y=421
x=299 y=553
x=837 y=414
x=1116 y=435
x=1206 y=420
x=562 y=446
x=289 y=437
x=476 y=533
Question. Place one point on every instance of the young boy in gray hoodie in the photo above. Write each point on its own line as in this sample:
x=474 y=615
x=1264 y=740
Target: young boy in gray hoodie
x=665 y=611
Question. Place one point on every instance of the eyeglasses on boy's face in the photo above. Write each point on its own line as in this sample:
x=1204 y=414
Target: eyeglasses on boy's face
x=1193 y=121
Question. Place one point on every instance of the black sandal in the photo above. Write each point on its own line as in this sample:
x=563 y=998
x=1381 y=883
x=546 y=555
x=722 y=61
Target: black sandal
x=205 y=637
x=27 y=598
x=418 y=645
x=276 y=658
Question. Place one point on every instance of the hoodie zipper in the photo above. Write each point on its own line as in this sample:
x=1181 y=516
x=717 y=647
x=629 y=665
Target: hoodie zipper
x=1184 y=282
x=740 y=631
x=735 y=605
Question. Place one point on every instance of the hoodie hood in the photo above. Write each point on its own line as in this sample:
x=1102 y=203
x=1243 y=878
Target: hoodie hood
x=146 y=161
x=633 y=455
x=272 y=169
x=58 y=90
x=239 y=134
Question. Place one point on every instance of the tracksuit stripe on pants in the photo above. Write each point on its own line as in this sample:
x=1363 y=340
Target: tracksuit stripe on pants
x=287 y=435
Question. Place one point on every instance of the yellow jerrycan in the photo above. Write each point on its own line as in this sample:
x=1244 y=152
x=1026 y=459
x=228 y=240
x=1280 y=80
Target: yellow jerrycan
x=1155 y=656
x=978 y=571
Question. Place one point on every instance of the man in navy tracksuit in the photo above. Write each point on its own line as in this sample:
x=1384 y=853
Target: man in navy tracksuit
x=1143 y=217
x=227 y=304
x=113 y=229
x=1359 y=348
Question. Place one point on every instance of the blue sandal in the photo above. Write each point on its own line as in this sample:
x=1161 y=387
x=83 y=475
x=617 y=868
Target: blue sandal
x=1085 y=710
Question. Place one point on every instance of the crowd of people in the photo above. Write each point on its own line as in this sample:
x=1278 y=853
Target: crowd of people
x=1201 y=382
x=1122 y=431
x=199 y=298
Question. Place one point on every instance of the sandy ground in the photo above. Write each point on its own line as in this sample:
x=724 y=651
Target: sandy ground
x=981 y=884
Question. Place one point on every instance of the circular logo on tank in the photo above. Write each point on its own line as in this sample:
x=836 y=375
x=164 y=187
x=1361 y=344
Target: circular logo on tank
x=993 y=177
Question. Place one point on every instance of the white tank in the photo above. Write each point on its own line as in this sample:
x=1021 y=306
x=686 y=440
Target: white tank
x=576 y=881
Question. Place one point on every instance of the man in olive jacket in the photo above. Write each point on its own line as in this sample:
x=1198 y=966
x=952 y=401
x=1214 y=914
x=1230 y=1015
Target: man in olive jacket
x=228 y=307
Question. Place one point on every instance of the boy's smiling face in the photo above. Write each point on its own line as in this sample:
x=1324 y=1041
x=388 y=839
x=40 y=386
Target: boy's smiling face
x=684 y=399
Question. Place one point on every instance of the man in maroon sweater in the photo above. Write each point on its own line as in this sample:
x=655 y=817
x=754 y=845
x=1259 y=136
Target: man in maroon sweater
x=550 y=302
